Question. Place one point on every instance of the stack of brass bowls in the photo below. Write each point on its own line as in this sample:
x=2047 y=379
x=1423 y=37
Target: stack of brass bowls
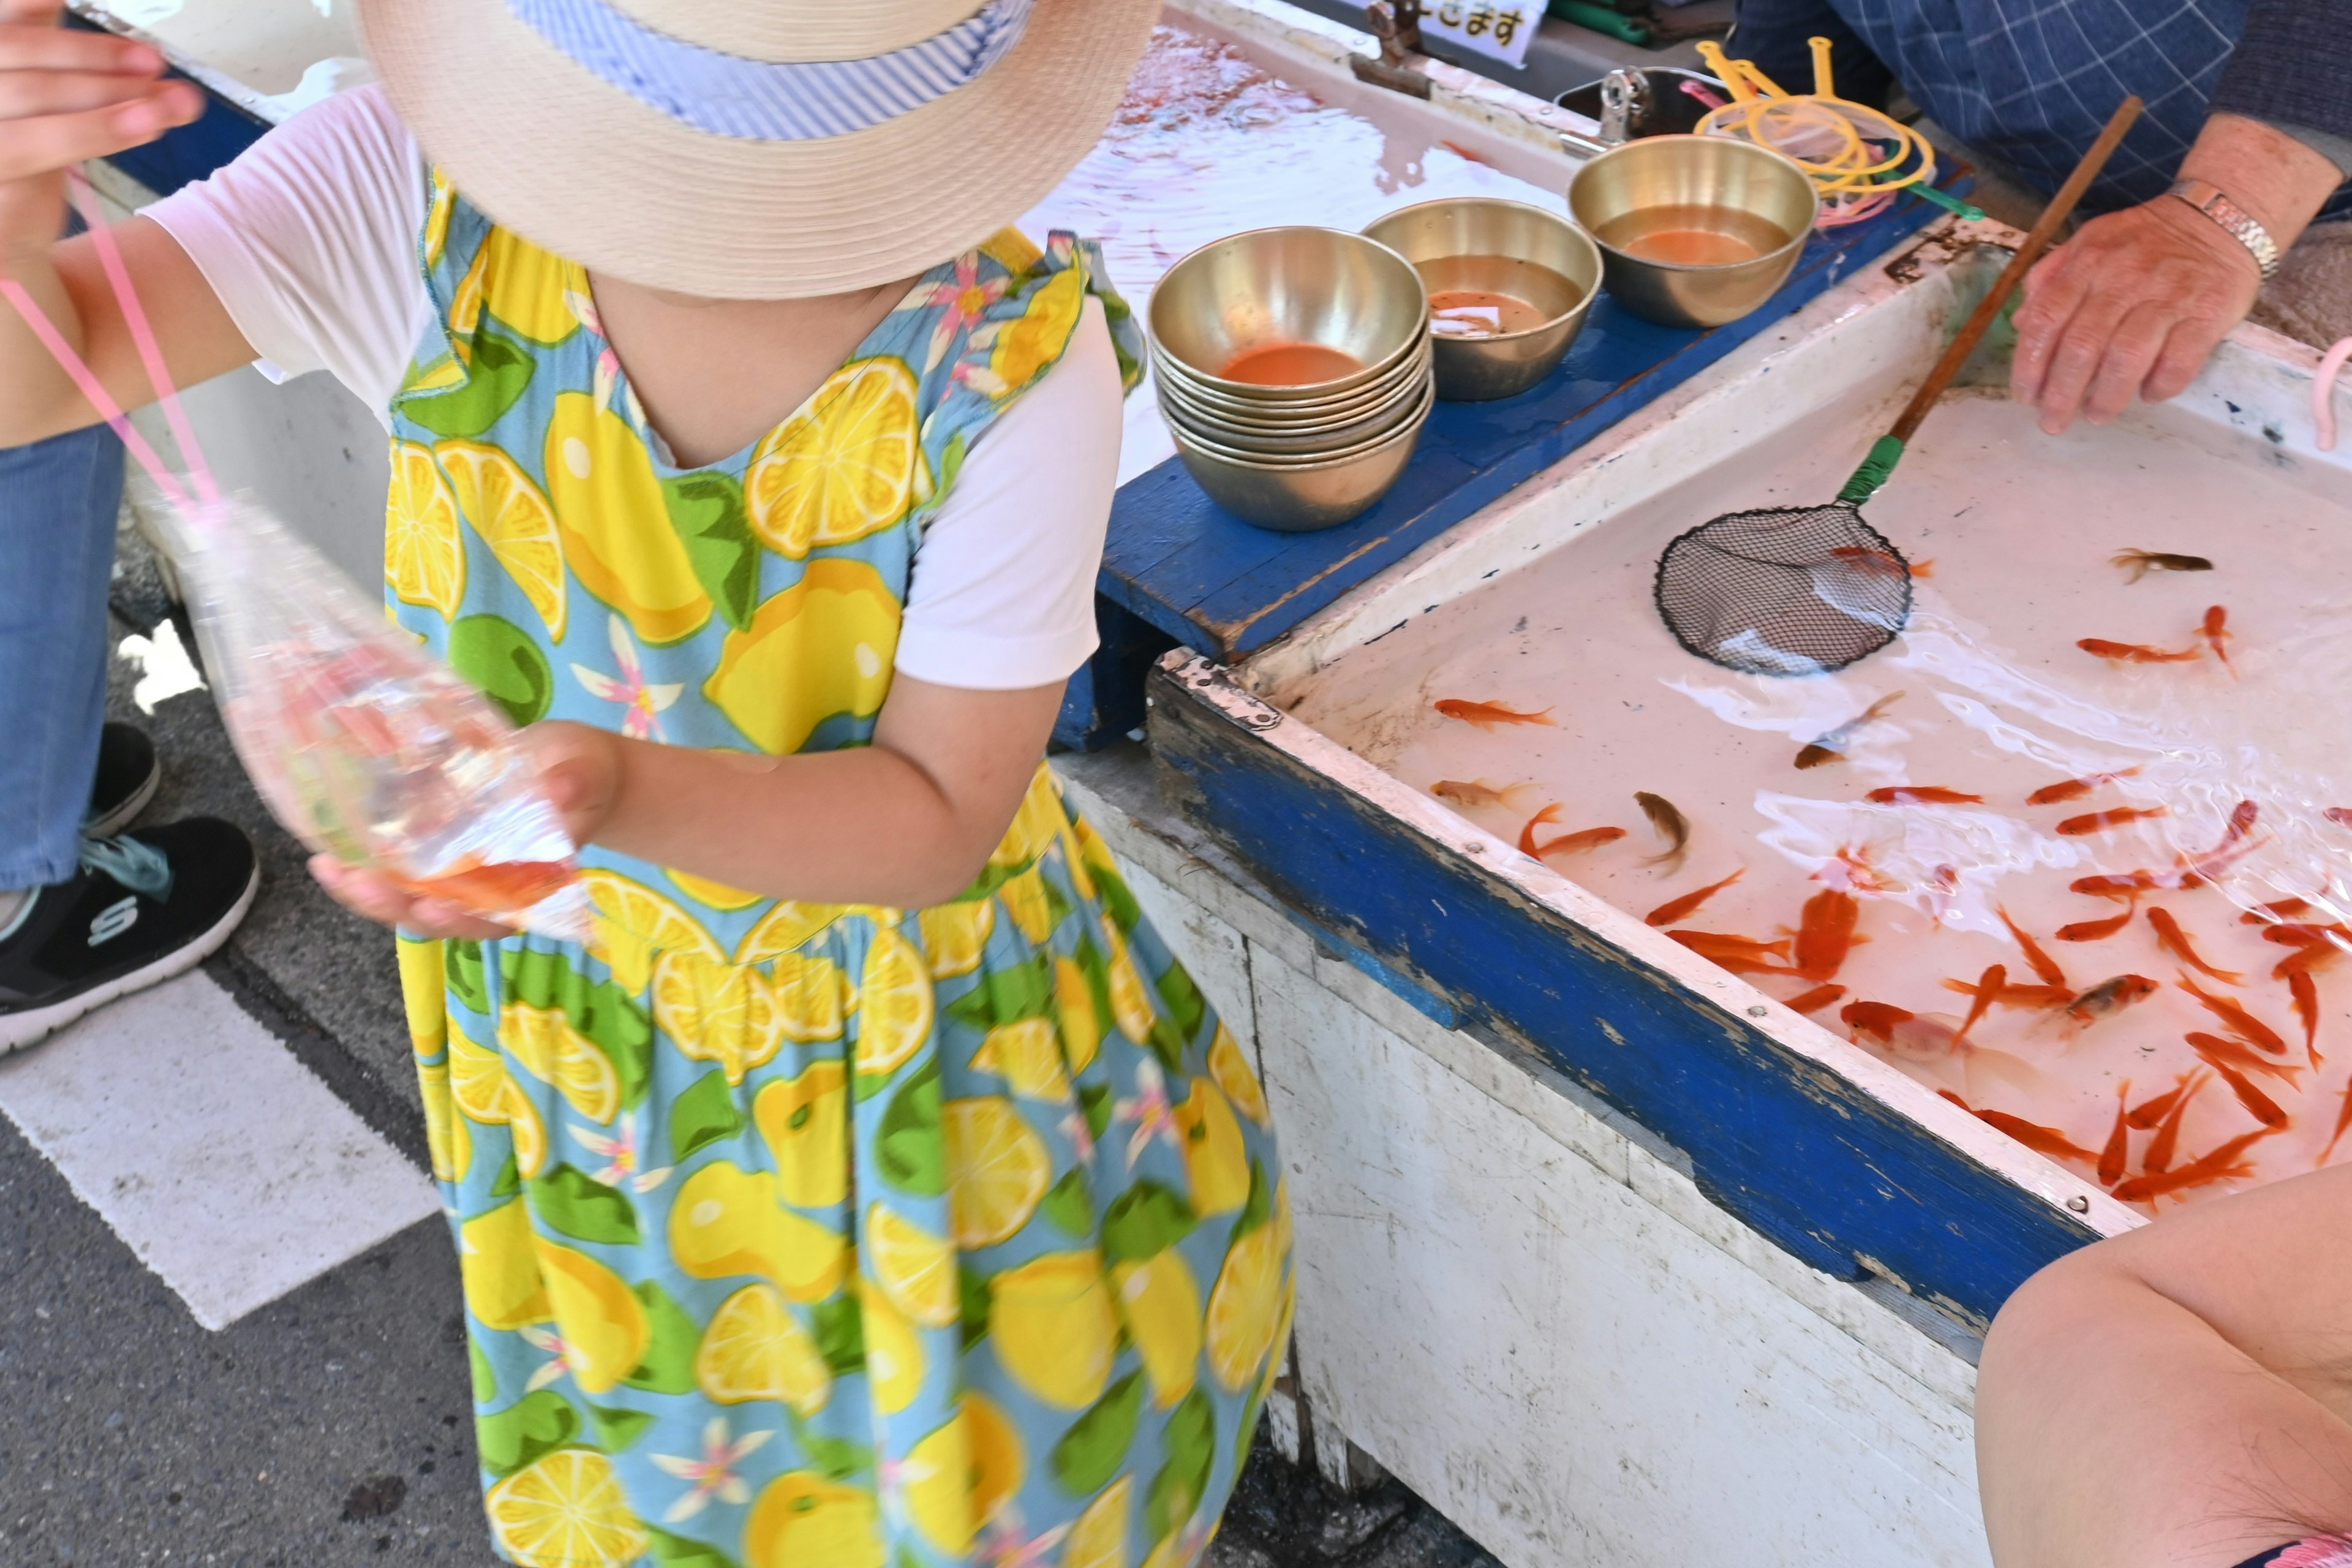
x=1294 y=458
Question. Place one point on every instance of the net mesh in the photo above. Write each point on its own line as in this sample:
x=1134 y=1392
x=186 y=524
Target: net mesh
x=1784 y=590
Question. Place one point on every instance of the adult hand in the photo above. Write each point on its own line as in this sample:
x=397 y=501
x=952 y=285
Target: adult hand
x=67 y=95
x=2132 y=306
x=580 y=769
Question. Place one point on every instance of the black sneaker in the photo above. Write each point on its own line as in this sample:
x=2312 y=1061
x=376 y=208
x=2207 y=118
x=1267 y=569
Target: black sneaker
x=140 y=909
x=127 y=773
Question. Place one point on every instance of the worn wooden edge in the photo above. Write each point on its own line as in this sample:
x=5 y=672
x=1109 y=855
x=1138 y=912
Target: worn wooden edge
x=258 y=106
x=1824 y=1149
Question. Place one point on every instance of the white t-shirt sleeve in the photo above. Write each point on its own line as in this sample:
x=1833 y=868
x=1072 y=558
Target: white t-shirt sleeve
x=1004 y=591
x=309 y=239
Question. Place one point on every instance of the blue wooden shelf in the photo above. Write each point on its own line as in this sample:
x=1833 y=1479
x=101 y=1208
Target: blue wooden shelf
x=1180 y=569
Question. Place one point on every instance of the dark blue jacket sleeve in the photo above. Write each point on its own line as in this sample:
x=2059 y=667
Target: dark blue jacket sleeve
x=2293 y=63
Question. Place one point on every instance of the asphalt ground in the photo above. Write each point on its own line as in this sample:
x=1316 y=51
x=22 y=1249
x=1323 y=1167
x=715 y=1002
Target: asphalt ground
x=333 y=1426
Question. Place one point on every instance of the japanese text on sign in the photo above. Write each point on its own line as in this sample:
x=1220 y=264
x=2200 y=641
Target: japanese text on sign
x=1500 y=29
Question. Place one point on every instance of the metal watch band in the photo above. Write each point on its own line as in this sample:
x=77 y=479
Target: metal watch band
x=2208 y=199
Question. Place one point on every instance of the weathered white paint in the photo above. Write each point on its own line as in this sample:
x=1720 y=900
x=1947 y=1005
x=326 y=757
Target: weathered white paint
x=218 y=1158
x=1521 y=1306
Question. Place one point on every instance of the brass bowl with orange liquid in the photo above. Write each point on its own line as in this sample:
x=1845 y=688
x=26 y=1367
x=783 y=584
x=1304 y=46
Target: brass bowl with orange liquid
x=1694 y=231
x=1509 y=288
x=1293 y=368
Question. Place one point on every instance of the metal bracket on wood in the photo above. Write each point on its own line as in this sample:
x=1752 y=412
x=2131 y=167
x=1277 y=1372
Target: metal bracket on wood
x=1227 y=696
x=1397 y=25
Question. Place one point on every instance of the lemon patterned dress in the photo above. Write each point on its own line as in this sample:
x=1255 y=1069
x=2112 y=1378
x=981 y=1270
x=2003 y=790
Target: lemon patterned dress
x=799 y=1235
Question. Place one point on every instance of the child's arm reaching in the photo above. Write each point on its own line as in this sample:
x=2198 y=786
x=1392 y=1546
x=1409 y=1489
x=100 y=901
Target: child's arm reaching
x=908 y=821
x=66 y=96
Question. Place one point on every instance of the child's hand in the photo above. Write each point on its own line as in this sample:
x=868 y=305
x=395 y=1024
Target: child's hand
x=579 y=769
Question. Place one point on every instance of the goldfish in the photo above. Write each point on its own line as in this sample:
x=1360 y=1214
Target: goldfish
x=2304 y=960
x=2075 y=789
x=2117 y=1155
x=490 y=889
x=2217 y=633
x=2158 y=1158
x=2237 y=843
x=2096 y=931
x=1989 y=987
x=2175 y=941
x=2304 y=990
x=1878 y=1020
x=2109 y=998
x=1825 y=934
x=2220 y=1165
x=1713 y=944
x=1567 y=843
x=2100 y=821
x=2121 y=884
x=1486 y=715
x=2045 y=968
x=1578 y=843
x=1670 y=824
x=2246 y=1025
x=1921 y=795
x=1478 y=792
x=2218 y=1049
x=2148 y=1112
x=1870 y=562
x=2260 y=1105
x=2343 y=1120
x=1855 y=870
x=1831 y=747
x=2339 y=814
x=2041 y=1140
x=2140 y=562
x=2135 y=653
x=2016 y=995
x=1672 y=910
x=2308 y=934
x=2267 y=914
x=1813 y=1000
x=1922 y=569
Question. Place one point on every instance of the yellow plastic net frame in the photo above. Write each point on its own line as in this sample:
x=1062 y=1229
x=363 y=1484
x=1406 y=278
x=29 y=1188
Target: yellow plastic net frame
x=1859 y=158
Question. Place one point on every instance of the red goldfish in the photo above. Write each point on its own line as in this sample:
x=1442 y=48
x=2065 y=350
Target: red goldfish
x=1672 y=910
x=1921 y=795
x=2135 y=653
x=1486 y=715
x=2075 y=789
x=2246 y=1025
x=2175 y=941
x=2100 y=821
x=1825 y=934
x=2110 y=997
x=2044 y=966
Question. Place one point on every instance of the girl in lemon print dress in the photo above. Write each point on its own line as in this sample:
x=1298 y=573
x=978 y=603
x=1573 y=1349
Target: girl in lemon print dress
x=872 y=1189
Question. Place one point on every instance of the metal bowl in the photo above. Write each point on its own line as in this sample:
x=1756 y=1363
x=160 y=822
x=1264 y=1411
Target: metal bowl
x=1314 y=286
x=1291 y=414
x=1412 y=418
x=1317 y=446
x=1503 y=247
x=1708 y=185
x=1335 y=430
x=1300 y=497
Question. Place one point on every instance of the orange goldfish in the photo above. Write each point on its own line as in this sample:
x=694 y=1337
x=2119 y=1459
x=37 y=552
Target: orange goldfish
x=1486 y=715
x=2096 y=931
x=2220 y=1165
x=1825 y=934
x=2100 y=821
x=1478 y=792
x=2118 y=1152
x=1989 y=987
x=2045 y=968
x=2246 y=1025
x=2042 y=1140
x=2269 y=914
x=2339 y=814
x=1672 y=910
x=1813 y=1000
x=2343 y=1120
x=2011 y=995
x=1920 y=795
x=2158 y=1158
x=2218 y=1049
x=2304 y=990
x=2175 y=941
x=1829 y=748
x=2075 y=789
x=2148 y=1112
x=2217 y=633
x=1878 y=1020
x=2135 y=653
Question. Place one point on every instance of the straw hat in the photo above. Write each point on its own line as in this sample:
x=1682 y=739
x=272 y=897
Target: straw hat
x=757 y=149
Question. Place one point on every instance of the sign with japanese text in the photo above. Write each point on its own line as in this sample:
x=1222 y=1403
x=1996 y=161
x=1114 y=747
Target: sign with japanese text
x=1500 y=29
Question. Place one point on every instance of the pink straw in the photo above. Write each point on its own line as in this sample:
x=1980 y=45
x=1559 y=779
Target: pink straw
x=143 y=333
x=2323 y=393
x=88 y=384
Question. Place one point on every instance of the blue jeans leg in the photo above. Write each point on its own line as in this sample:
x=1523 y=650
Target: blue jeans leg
x=59 y=500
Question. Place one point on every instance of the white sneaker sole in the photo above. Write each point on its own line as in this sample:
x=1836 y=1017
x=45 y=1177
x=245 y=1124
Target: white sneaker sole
x=123 y=816
x=19 y=1030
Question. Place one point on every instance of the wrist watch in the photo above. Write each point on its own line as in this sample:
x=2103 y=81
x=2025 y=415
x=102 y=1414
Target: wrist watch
x=2233 y=219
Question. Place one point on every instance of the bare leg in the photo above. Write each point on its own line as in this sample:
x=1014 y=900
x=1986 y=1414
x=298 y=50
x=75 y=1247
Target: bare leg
x=2179 y=1397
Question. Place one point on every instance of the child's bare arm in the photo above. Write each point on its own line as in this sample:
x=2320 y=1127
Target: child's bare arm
x=66 y=96
x=908 y=821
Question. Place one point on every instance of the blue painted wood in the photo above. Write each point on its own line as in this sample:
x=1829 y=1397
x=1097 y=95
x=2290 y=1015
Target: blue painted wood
x=1214 y=583
x=190 y=153
x=1823 y=1170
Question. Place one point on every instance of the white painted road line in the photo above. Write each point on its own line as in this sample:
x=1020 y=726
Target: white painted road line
x=225 y=1166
